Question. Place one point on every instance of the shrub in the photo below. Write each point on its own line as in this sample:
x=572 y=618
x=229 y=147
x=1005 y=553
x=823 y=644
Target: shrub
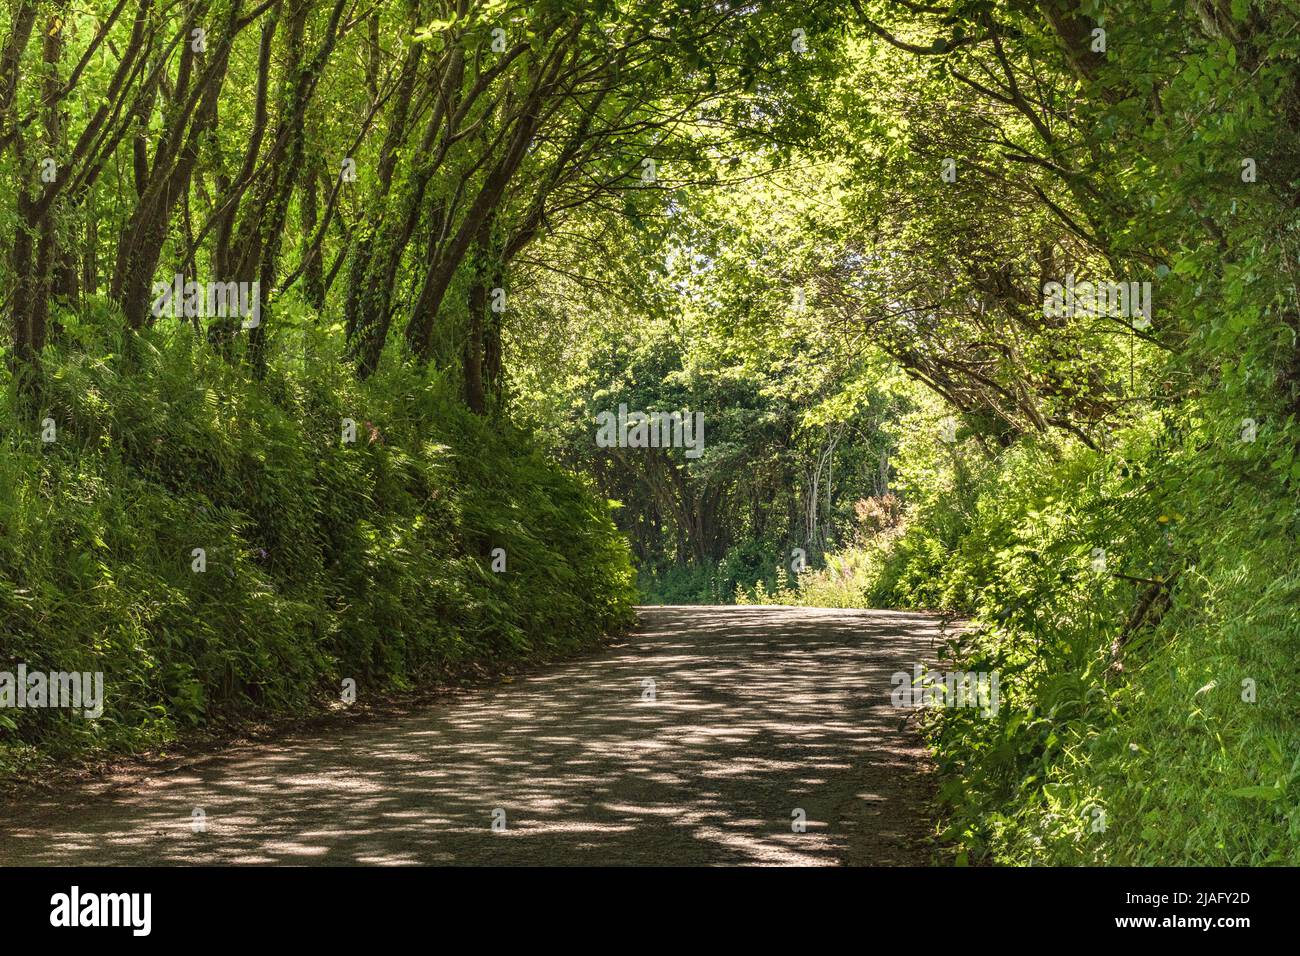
x=324 y=560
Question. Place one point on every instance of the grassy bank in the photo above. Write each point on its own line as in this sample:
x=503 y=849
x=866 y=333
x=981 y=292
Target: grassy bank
x=1142 y=607
x=323 y=560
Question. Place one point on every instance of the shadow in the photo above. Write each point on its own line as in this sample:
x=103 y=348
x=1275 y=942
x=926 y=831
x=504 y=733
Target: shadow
x=757 y=712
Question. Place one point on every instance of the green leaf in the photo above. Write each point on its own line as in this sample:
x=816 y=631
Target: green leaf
x=1257 y=793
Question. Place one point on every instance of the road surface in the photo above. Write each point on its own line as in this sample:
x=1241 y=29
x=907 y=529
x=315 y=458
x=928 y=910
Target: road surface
x=757 y=717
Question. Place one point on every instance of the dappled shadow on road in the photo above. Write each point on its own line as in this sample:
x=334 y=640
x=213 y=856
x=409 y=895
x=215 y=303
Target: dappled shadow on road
x=757 y=713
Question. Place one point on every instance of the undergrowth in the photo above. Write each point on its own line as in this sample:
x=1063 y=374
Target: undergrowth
x=325 y=560
x=1142 y=608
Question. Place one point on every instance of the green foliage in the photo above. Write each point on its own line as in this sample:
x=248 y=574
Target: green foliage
x=839 y=246
x=325 y=560
x=721 y=582
x=1124 y=735
x=1123 y=688
x=1128 y=733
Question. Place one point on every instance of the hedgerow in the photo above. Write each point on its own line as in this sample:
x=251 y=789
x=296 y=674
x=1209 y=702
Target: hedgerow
x=325 y=560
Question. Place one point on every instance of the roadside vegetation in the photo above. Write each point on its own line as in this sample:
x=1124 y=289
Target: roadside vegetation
x=906 y=417
x=986 y=308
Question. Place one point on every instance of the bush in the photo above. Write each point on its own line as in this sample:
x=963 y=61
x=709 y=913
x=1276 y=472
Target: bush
x=717 y=583
x=324 y=560
x=1147 y=710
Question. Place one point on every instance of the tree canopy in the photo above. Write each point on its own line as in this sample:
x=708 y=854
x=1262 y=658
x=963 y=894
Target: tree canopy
x=985 y=307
